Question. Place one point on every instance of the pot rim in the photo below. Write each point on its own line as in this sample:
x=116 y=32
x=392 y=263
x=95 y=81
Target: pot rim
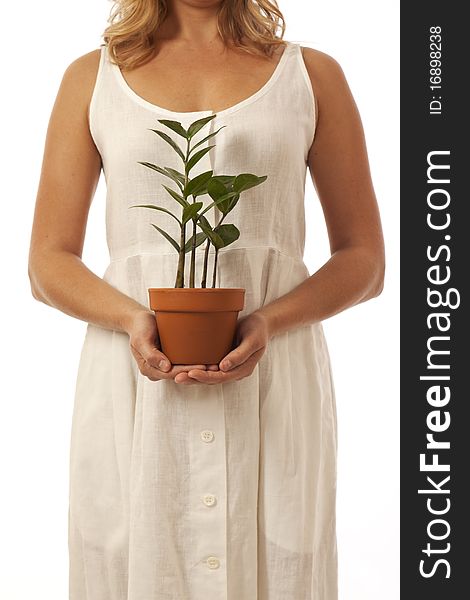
x=192 y=290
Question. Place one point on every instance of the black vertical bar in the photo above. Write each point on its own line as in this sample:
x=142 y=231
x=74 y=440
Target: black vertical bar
x=434 y=268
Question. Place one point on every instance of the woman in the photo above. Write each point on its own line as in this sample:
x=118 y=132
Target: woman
x=205 y=481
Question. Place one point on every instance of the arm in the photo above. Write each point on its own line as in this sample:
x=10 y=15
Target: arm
x=69 y=176
x=339 y=167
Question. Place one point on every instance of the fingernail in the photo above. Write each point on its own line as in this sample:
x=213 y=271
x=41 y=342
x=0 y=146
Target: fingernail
x=226 y=365
x=163 y=365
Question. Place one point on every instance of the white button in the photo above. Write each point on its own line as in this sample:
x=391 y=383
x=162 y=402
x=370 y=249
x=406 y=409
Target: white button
x=209 y=500
x=213 y=562
x=207 y=435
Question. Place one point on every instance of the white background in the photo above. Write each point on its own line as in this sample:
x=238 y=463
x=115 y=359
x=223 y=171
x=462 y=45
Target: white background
x=41 y=345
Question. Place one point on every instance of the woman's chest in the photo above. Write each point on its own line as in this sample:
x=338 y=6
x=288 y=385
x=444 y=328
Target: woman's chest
x=199 y=83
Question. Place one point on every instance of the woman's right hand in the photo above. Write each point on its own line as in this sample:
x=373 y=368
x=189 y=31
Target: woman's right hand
x=145 y=347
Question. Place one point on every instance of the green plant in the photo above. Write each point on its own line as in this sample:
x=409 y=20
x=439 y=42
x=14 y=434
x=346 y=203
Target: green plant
x=224 y=190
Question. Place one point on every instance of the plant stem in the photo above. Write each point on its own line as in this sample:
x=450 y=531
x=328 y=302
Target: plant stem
x=215 y=267
x=180 y=272
x=214 y=272
x=204 y=270
x=192 y=269
x=182 y=254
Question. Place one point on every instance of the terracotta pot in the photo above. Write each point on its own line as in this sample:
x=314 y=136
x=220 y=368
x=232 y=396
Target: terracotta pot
x=196 y=325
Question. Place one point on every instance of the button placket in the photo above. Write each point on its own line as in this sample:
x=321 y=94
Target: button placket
x=208 y=494
x=208 y=488
x=209 y=500
x=213 y=562
x=207 y=436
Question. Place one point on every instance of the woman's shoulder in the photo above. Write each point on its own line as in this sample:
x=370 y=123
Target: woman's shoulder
x=321 y=67
x=79 y=78
x=326 y=75
x=84 y=67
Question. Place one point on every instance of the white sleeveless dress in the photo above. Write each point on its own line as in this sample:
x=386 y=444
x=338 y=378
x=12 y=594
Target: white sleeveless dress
x=205 y=492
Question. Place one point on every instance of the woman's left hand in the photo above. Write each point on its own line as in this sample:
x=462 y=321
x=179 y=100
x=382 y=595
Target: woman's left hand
x=252 y=336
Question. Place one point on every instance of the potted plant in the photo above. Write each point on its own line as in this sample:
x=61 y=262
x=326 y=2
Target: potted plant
x=196 y=325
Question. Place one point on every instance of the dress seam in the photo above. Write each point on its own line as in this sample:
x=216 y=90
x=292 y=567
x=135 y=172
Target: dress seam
x=296 y=258
x=310 y=90
x=94 y=98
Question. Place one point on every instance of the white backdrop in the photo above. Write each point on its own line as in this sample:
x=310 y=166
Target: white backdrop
x=41 y=346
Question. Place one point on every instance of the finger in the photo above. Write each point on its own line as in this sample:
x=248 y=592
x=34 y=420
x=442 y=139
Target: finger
x=177 y=369
x=146 y=341
x=155 y=374
x=151 y=354
x=182 y=378
x=238 y=355
x=174 y=371
x=150 y=372
x=213 y=377
x=243 y=370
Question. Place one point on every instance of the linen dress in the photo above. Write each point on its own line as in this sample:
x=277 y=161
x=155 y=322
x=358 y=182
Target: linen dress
x=205 y=492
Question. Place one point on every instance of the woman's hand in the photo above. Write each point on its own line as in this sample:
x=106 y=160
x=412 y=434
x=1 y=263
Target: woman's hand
x=145 y=347
x=252 y=336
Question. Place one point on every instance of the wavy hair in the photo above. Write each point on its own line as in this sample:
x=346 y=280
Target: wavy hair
x=250 y=25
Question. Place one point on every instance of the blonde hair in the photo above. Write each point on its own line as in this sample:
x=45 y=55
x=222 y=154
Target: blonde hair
x=250 y=25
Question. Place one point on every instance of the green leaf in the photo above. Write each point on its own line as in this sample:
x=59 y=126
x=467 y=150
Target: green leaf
x=198 y=185
x=246 y=181
x=171 y=173
x=216 y=189
x=200 y=237
x=173 y=242
x=228 y=233
x=175 y=126
x=227 y=180
x=208 y=137
x=176 y=176
x=232 y=203
x=207 y=229
x=197 y=157
x=190 y=211
x=216 y=239
x=199 y=124
x=154 y=167
x=178 y=197
x=219 y=201
x=156 y=208
x=170 y=141
x=204 y=224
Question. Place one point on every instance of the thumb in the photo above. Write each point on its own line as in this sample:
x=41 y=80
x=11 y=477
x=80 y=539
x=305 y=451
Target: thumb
x=238 y=355
x=152 y=355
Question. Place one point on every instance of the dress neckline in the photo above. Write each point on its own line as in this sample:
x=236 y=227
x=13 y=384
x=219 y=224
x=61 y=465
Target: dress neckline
x=230 y=109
